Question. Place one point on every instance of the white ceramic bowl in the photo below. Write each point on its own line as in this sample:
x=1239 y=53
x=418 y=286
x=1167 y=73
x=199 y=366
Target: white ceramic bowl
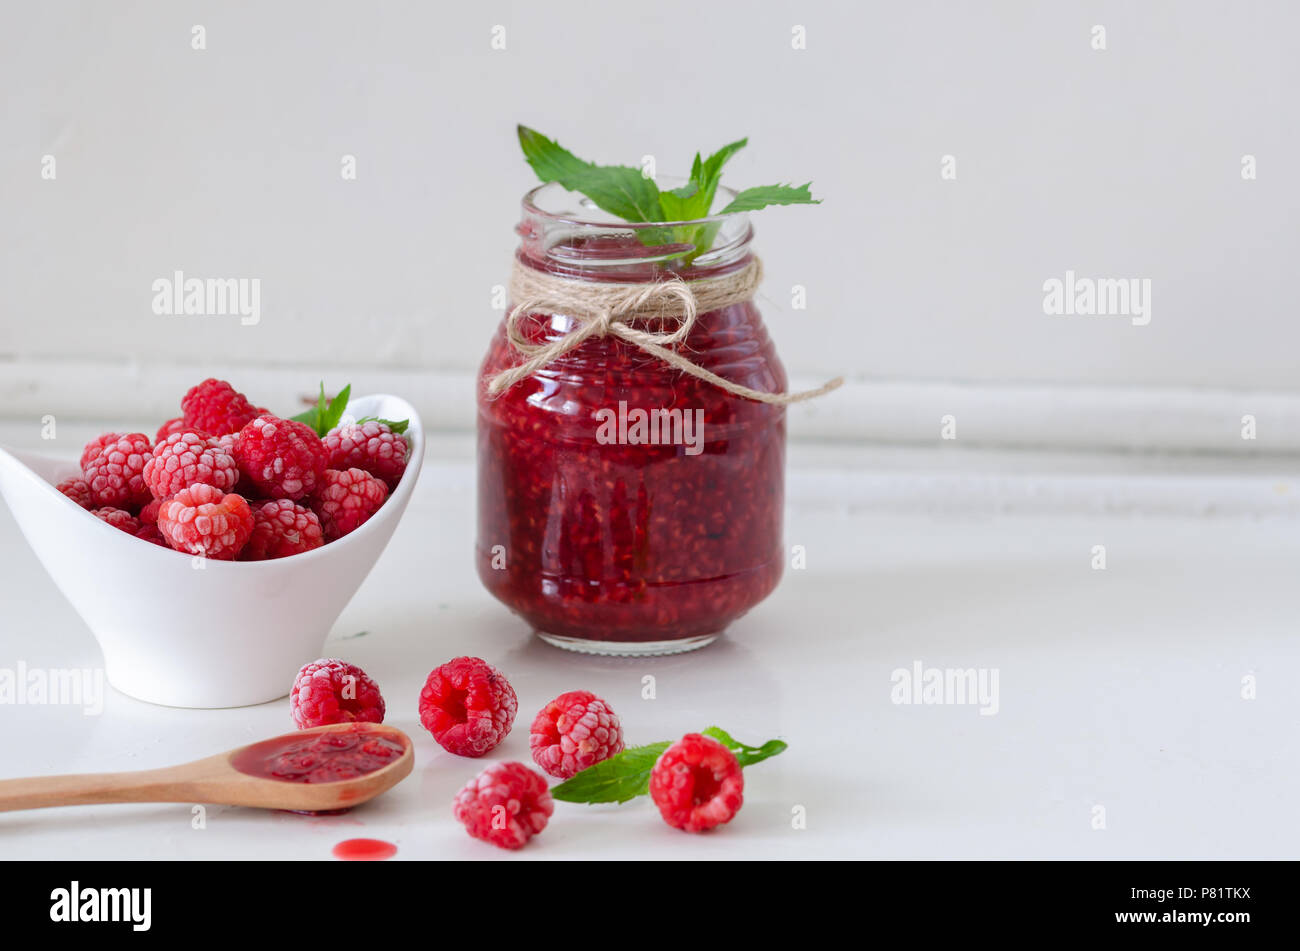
x=183 y=631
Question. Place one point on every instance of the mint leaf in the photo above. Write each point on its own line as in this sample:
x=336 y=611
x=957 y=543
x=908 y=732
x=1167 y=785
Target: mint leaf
x=312 y=416
x=692 y=201
x=325 y=415
x=711 y=174
x=627 y=193
x=618 y=189
x=617 y=779
x=627 y=775
x=752 y=199
x=330 y=417
x=695 y=199
x=677 y=205
x=746 y=755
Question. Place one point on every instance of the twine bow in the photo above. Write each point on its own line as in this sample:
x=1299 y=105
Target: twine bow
x=600 y=310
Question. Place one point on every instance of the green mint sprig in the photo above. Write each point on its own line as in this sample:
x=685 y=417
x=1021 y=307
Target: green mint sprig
x=325 y=415
x=623 y=776
x=618 y=189
x=626 y=775
x=747 y=755
x=624 y=191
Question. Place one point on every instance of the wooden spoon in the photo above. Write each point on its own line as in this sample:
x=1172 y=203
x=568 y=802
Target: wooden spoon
x=225 y=779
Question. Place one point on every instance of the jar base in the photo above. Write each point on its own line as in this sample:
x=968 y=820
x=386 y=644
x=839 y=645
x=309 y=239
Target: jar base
x=582 y=645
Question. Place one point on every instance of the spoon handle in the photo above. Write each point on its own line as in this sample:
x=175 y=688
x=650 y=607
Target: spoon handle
x=40 y=792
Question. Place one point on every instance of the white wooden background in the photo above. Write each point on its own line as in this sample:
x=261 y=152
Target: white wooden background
x=925 y=293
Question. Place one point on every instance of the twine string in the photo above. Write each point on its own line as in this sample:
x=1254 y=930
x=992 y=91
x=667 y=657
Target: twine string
x=600 y=310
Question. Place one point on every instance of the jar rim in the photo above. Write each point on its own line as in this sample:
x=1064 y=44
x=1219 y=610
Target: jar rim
x=553 y=232
x=532 y=206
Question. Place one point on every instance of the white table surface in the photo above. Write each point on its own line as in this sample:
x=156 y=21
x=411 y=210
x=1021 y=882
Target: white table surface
x=1118 y=688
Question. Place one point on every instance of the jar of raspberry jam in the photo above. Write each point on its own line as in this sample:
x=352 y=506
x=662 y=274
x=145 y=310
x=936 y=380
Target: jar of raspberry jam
x=625 y=506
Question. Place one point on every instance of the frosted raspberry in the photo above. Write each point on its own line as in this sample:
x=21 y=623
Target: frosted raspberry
x=468 y=706
x=94 y=447
x=115 y=474
x=575 y=730
x=176 y=425
x=76 y=489
x=346 y=499
x=506 y=804
x=201 y=520
x=282 y=458
x=214 y=407
x=188 y=458
x=697 y=784
x=371 y=446
x=282 y=528
x=330 y=690
x=118 y=518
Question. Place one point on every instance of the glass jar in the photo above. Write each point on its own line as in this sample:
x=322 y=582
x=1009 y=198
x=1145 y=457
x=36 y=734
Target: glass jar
x=602 y=538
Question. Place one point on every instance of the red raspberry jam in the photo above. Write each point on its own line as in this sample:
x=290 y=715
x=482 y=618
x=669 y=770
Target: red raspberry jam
x=628 y=546
x=326 y=757
x=364 y=850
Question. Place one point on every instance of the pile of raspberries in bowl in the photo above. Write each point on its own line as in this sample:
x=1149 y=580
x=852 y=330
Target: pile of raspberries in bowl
x=231 y=481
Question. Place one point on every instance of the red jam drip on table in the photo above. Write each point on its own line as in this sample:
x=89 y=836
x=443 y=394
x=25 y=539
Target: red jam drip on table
x=327 y=757
x=632 y=543
x=364 y=850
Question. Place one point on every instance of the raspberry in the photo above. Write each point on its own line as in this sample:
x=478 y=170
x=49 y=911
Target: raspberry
x=201 y=520
x=118 y=518
x=506 y=804
x=282 y=528
x=283 y=458
x=575 y=730
x=346 y=499
x=76 y=489
x=333 y=691
x=697 y=784
x=95 y=445
x=188 y=458
x=468 y=706
x=244 y=486
x=149 y=514
x=176 y=425
x=115 y=473
x=150 y=533
x=214 y=407
x=371 y=446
